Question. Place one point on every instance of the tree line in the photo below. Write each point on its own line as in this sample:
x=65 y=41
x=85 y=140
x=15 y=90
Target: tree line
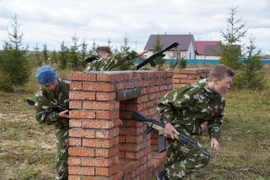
x=16 y=62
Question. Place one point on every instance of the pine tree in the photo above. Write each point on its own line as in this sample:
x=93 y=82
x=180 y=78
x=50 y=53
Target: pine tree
x=74 y=53
x=157 y=47
x=83 y=54
x=93 y=48
x=45 y=53
x=37 y=56
x=250 y=76
x=129 y=62
x=230 y=53
x=54 y=57
x=15 y=67
x=63 y=56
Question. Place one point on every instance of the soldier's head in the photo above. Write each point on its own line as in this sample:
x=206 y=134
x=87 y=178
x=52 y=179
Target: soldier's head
x=46 y=77
x=104 y=51
x=220 y=78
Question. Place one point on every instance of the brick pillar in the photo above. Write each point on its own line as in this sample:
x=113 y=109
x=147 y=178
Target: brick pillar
x=99 y=149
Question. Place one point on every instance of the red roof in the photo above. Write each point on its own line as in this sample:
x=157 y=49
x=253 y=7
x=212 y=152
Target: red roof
x=201 y=45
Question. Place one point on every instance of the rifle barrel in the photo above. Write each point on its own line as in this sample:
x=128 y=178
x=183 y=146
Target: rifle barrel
x=154 y=56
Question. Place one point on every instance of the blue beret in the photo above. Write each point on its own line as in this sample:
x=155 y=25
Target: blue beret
x=45 y=75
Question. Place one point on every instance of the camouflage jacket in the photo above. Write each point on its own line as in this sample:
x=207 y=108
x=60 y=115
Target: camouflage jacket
x=106 y=64
x=186 y=108
x=48 y=103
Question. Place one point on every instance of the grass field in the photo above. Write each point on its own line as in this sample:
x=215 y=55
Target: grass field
x=27 y=149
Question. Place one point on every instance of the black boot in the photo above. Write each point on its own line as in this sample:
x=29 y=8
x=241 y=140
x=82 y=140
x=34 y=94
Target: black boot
x=162 y=176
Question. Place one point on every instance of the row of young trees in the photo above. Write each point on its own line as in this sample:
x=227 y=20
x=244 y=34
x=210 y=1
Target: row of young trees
x=16 y=64
x=16 y=61
x=245 y=60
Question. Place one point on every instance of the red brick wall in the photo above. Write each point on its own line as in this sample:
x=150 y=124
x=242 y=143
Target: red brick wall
x=100 y=147
x=187 y=76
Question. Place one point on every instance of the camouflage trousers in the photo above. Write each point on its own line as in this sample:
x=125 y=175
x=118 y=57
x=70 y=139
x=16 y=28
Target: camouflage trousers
x=61 y=135
x=182 y=160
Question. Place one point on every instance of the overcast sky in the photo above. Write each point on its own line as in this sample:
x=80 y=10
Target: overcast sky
x=52 y=21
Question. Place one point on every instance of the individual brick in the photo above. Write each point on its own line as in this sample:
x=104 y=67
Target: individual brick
x=90 y=171
x=98 y=162
x=105 y=96
x=98 y=87
x=82 y=114
x=176 y=86
x=107 y=77
x=176 y=71
x=176 y=81
x=99 y=143
x=138 y=83
x=129 y=147
x=100 y=105
x=127 y=75
x=107 y=152
x=107 y=134
x=120 y=86
x=75 y=142
x=77 y=76
x=130 y=131
x=190 y=71
x=70 y=177
x=75 y=104
x=75 y=123
x=76 y=85
x=131 y=123
x=106 y=171
x=107 y=114
x=74 y=161
x=135 y=107
x=180 y=76
x=82 y=152
x=82 y=133
x=97 y=124
x=78 y=95
x=134 y=139
x=187 y=81
x=130 y=85
x=124 y=115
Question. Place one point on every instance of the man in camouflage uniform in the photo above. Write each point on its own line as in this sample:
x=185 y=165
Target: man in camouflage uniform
x=185 y=109
x=51 y=98
x=102 y=60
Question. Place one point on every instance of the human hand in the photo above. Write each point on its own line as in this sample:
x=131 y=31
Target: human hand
x=63 y=114
x=169 y=130
x=214 y=144
x=140 y=55
x=120 y=121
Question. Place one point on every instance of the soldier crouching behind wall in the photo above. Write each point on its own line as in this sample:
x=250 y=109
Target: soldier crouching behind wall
x=51 y=98
x=103 y=60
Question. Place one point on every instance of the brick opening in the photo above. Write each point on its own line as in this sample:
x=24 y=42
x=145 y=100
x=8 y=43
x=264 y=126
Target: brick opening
x=101 y=148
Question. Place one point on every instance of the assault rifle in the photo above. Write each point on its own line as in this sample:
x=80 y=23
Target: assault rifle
x=160 y=126
x=154 y=56
x=58 y=110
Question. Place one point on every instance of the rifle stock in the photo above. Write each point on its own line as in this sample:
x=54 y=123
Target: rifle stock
x=154 y=56
x=160 y=126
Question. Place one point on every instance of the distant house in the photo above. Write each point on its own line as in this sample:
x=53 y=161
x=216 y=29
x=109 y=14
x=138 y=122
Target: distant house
x=186 y=45
x=207 y=49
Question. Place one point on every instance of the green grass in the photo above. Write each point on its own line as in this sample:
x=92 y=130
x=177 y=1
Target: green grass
x=27 y=149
